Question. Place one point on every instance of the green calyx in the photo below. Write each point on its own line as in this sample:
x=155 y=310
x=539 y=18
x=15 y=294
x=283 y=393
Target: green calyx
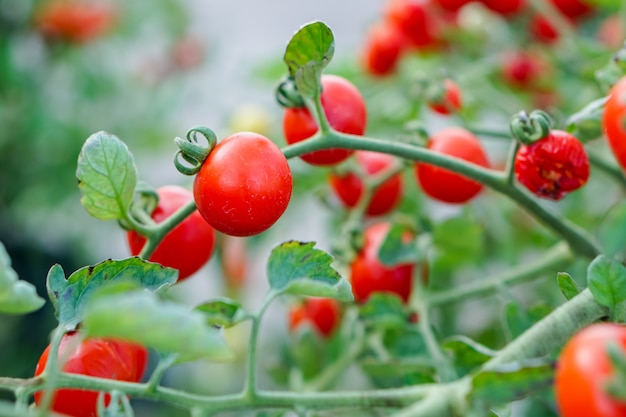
x=191 y=151
x=530 y=128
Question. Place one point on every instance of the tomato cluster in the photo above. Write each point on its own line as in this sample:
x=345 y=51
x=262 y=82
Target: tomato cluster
x=102 y=358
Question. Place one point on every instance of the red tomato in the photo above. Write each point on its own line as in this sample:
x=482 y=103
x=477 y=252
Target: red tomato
x=324 y=314
x=523 y=70
x=542 y=29
x=383 y=49
x=349 y=187
x=188 y=246
x=102 y=358
x=613 y=121
x=505 y=7
x=345 y=110
x=74 y=21
x=369 y=275
x=244 y=185
x=553 y=166
x=583 y=369
x=451 y=5
x=442 y=184
x=573 y=8
x=415 y=19
x=450 y=98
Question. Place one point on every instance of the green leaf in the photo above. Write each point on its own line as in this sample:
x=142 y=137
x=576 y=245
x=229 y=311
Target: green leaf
x=107 y=176
x=16 y=296
x=586 y=124
x=308 y=52
x=300 y=269
x=568 y=286
x=394 y=250
x=458 y=240
x=140 y=317
x=517 y=320
x=384 y=310
x=398 y=373
x=70 y=296
x=223 y=312
x=467 y=354
x=511 y=382
x=606 y=4
x=606 y=279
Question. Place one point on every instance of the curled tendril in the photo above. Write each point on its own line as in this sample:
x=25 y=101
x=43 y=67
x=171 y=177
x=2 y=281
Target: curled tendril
x=191 y=151
x=287 y=94
x=530 y=128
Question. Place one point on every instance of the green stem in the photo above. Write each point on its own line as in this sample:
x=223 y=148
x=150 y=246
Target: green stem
x=607 y=167
x=552 y=331
x=317 y=111
x=510 y=162
x=557 y=255
x=579 y=239
x=156 y=234
x=445 y=371
x=164 y=364
x=51 y=373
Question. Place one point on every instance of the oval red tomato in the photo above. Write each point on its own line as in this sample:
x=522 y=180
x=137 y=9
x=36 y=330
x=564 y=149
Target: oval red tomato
x=349 y=187
x=368 y=275
x=542 y=29
x=189 y=245
x=74 y=21
x=573 y=8
x=614 y=121
x=324 y=314
x=384 y=45
x=449 y=100
x=244 y=185
x=345 y=110
x=505 y=7
x=415 y=19
x=583 y=369
x=102 y=358
x=442 y=184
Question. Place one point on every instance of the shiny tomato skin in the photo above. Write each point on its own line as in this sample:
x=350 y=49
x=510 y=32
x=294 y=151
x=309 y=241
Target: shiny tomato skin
x=414 y=18
x=552 y=166
x=543 y=30
x=244 y=185
x=349 y=187
x=189 y=245
x=442 y=184
x=103 y=358
x=368 y=275
x=583 y=368
x=450 y=101
x=614 y=121
x=324 y=314
x=74 y=21
x=383 y=49
x=524 y=69
x=345 y=110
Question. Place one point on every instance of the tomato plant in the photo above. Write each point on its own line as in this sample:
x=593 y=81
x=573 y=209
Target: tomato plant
x=94 y=357
x=553 y=166
x=444 y=185
x=584 y=370
x=346 y=112
x=523 y=69
x=244 y=185
x=349 y=187
x=447 y=100
x=188 y=246
x=415 y=20
x=369 y=275
x=613 y=121
x=324 y=314
x=505 y=7
x=382 y=50
x=74 y=21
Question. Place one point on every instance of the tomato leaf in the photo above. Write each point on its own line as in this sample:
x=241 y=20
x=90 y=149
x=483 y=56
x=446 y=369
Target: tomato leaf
x=140 y=317
x=586 y=124
x=222 y=312
x=300 y=269
x=516 y=319
x=568 y=286
x=606 y=278
x=70 y=296
x=511 y=382
x=394 y=250
x=458 y=241
x=467 y=354
x=308 y=52
x=400 y=372
x=383 y=310
x=16 y=296
x=107 y=176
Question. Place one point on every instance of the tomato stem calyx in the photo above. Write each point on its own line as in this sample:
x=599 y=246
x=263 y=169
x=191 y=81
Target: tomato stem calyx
x=530 y=128
x=191 y=151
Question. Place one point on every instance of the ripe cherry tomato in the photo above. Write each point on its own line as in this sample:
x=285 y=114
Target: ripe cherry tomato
x=451 y=5
x=613 y=121
x=553 y=166
x=103 y=358
x=244 y=185
x=583 y=369
x=442 y=184
x=542 y=30
x=74 y=21
x=573 y=8
x=449 y=99
x=188 y=246
x=611 y=32
x=349 y=187
x=523 y=70
x=415 y=19
x=369 y=275
x=505 y=7
x=383 y=49
x=345 y=110
x=324 y=314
